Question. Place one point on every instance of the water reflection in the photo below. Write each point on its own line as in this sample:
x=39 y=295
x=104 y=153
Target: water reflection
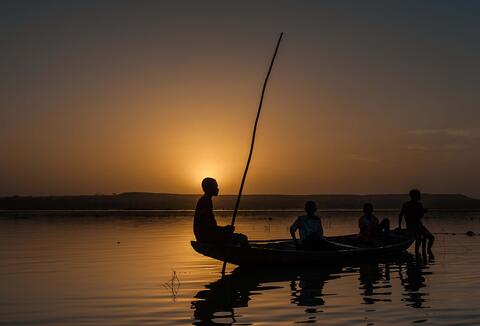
x=217 y=303
x=412 y=277
x=375 y=282
x=307 y=289
x=235 y=291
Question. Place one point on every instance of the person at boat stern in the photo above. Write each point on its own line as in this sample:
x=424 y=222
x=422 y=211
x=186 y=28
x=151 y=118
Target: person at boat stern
x=371 y=230
x=205 y=226
x=413 y=211
x=311 y=230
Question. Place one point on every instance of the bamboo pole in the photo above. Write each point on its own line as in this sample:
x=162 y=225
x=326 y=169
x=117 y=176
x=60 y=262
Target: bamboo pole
x=237 y=204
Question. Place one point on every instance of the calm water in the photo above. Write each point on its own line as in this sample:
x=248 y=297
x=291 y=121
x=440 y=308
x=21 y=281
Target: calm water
x=57 y=270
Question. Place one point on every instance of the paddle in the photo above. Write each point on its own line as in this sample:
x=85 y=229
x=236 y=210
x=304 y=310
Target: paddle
x=237 y=204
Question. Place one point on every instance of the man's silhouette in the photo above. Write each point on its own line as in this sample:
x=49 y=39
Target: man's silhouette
x=205 y=226
x=311 y=231
x=413 y=211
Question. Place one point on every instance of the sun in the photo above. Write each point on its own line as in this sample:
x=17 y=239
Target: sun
x=212 y=170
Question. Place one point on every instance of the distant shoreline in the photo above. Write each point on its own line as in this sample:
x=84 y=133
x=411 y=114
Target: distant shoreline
x=159 y=213
x=129 y=202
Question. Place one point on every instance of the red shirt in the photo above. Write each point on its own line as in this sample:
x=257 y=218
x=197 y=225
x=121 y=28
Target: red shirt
x=368 y=225
x=204 y=223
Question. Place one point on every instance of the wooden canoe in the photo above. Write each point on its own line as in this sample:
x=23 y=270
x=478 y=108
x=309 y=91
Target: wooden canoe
x=283 y=252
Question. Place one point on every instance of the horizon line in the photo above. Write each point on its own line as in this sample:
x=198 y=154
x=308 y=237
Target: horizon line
x=230 y=194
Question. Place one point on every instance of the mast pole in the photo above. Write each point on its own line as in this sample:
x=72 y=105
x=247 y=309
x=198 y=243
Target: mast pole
x=237 y=204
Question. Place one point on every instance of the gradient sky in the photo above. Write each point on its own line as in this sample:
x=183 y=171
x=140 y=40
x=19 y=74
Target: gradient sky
x=365 y=96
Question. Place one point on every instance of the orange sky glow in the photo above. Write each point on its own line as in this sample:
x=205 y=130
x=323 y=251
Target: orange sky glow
x=96 y=99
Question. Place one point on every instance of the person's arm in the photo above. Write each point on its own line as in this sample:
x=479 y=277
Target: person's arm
x=293 y=229
x=402 y=212
x=228 y=228
x=423 y=211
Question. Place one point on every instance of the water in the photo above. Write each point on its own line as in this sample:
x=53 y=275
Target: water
x=124 y=270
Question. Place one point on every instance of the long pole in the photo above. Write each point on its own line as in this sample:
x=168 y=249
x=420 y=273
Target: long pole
x=237 y=204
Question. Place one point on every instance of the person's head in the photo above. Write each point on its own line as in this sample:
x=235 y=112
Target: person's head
x=310 y=207
x=367 y=208
x=414 y=194
x=210 y=186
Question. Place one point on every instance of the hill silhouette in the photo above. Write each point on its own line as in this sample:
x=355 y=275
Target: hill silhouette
x=160 y=201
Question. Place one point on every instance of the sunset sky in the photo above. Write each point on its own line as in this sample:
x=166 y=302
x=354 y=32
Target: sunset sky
x=365 y=96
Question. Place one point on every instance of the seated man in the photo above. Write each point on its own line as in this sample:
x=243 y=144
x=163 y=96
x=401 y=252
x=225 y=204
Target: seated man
x=205 y=226
x=370 y=228
x=311 y=230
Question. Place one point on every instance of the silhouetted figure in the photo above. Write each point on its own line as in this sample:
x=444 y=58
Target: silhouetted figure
x=205 y=226
x=413 y=211
x=311 y=230
x=371 y=230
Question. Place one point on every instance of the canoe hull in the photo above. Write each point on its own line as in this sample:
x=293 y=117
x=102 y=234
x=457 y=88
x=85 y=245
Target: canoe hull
x=263 y=255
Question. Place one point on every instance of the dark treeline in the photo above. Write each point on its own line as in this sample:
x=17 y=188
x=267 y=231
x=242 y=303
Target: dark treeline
x=142 y=201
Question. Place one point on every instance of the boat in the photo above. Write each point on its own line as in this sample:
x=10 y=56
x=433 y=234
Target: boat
x=283 y=251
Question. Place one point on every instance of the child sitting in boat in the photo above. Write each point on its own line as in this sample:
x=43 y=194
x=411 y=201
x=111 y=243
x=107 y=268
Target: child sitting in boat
x=371 y=229
x=205 y=226
x=311 y=230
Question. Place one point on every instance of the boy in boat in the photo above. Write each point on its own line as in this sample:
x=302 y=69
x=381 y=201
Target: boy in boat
x=413 y=211
x=205 y=226
x=311 y=230
x=371 y=230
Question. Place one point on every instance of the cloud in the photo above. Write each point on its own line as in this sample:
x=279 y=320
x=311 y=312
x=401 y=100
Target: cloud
x=419 y=148
x=445 y=131
x=455 y=147
x=444 y=147
x=445 y=139
x=361 y=158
